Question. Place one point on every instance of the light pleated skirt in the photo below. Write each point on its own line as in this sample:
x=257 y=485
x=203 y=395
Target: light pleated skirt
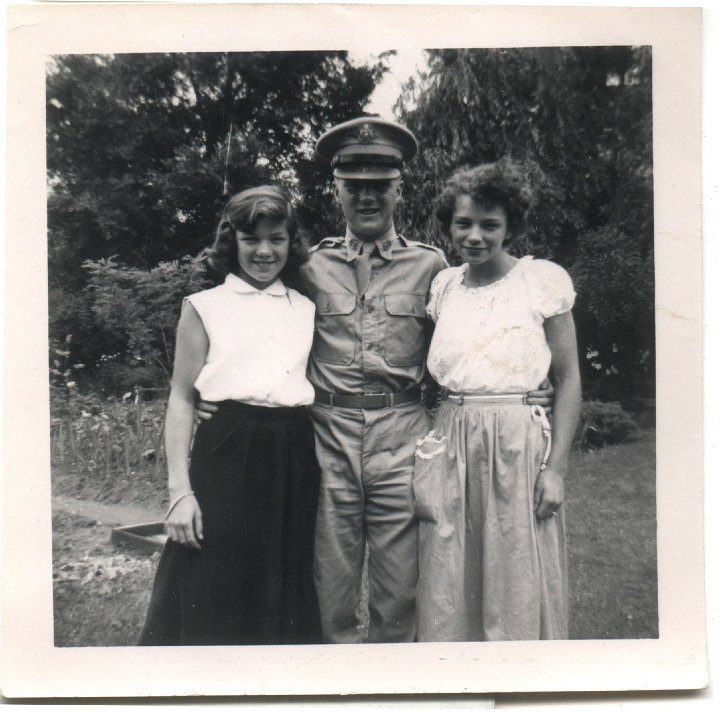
x=489 y=569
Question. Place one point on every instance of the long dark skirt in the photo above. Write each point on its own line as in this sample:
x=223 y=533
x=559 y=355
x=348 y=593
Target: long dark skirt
x=255 y=476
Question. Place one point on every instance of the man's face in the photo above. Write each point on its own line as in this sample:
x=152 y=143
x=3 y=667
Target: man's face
x=368 y=205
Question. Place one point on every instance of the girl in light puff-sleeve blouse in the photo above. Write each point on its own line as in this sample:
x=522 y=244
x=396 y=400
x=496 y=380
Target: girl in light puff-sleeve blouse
x=489 y=476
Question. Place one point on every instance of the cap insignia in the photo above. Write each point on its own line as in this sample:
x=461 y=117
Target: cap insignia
x=366 y=134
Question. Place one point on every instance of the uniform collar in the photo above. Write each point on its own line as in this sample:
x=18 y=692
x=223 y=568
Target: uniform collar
x=236 y=284
x=384 y=244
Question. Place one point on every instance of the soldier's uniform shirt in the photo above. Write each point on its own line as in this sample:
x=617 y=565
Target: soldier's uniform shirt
x=374 y=343
x=370 y=343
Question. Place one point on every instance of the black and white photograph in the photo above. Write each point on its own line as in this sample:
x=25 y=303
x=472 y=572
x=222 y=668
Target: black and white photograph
x=361 y=352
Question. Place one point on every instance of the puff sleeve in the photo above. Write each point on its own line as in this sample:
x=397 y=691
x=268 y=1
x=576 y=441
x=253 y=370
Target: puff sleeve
x=552 y=288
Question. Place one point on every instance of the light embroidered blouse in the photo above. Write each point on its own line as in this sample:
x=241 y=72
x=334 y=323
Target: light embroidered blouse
x=490 y=339
x=259 y=344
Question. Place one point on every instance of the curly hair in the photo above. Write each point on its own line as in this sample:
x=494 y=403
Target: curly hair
x=242 y=213
x=500 y=184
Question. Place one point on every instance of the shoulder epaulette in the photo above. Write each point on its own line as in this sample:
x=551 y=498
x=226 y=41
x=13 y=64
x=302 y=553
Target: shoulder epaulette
x=417 y=243
x=327 y=242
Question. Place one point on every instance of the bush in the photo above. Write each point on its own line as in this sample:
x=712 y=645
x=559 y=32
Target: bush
x=604 y=424
x=135 y=314
x=114 y=379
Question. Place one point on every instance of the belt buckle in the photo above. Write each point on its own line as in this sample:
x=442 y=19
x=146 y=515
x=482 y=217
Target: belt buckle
x=377 y=400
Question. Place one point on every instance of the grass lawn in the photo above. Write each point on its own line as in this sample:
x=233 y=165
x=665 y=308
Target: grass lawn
x=101 y=592
x=610 y=500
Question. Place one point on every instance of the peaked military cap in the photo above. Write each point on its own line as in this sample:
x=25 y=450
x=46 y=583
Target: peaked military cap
x=368 y=148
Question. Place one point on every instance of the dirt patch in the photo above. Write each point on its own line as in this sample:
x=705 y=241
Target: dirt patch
x=110 y=514
x=100 y=590
x=135 y=488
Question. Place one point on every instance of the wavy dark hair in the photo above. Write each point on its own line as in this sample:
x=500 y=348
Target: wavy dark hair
x=242 y=213
x=500 y=184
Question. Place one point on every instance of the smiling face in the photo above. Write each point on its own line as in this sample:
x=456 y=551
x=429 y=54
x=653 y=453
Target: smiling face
x=478 y=232
x=263 y=253
x=368 y=205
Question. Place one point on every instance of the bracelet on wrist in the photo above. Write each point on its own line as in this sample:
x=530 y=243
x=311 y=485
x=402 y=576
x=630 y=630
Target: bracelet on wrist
x=176 y=500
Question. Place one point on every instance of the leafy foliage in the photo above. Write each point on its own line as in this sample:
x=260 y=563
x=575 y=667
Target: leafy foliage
x=136 y=311
x=138 y=143
x=142 y=152
x=102 y=436
x=605 y=424
x=615 y=314
x=580 y=119
x=107 y=438
x=142 y=148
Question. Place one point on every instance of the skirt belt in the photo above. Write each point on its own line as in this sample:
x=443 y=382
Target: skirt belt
x=461 y=398
x=537 y=411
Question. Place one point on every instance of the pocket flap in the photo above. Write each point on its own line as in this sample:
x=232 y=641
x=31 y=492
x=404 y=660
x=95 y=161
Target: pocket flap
x=329 y=304
x=405 y=304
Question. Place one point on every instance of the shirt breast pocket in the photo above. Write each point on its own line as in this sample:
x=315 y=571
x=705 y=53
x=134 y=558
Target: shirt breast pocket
x=405 y=329
x=335 y=338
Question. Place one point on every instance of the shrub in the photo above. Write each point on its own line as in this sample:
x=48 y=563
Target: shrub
x=604 y=424
x=114 y=379
x=135 y=314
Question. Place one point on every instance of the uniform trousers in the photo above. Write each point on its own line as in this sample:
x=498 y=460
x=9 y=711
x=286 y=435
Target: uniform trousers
x=366 y=460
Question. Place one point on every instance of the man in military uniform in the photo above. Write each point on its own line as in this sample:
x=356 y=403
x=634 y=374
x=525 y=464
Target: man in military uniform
x=367 y=364
x=368 y=361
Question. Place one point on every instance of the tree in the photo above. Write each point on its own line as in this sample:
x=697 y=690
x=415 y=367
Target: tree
x=138 y=143
x=143 y=151
x=580 y=119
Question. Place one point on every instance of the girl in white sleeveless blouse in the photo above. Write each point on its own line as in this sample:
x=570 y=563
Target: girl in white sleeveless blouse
x=238 y=565
x=488 y=485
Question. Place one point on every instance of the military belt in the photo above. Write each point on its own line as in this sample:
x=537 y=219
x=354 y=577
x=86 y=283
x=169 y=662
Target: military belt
x=367 y=400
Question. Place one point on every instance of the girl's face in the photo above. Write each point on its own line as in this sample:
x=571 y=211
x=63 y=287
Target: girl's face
x=262 y=254
x=477 y=233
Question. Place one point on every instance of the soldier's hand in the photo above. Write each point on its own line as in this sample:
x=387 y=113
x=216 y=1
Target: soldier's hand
x=544 y=396
x=204 y=410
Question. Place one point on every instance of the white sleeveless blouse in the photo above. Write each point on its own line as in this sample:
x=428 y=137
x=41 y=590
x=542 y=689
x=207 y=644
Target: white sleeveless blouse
x=259 y=344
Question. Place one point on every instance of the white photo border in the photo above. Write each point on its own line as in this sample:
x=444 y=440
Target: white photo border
x=33 y=667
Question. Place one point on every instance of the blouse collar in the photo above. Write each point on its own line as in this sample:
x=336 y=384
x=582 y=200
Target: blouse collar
x=236 y=284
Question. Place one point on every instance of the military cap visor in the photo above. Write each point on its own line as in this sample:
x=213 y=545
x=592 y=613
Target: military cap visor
x=367 y=148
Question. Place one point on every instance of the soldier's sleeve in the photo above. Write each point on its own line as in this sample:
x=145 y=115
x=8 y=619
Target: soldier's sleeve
x=308 y=272
x=440 y=263
x=303 y=278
